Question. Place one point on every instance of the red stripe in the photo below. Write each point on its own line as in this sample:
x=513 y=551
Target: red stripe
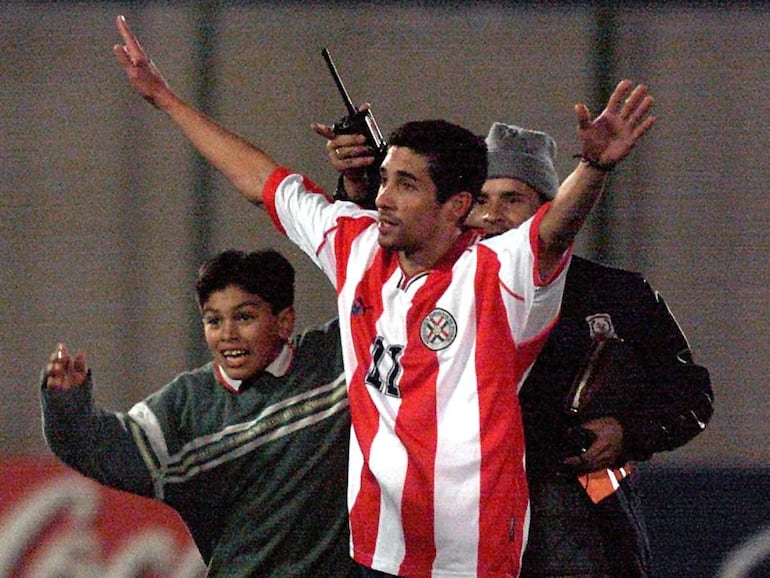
x=365 y=511
x=347 y=230
x=268 y=195
x=417 y=428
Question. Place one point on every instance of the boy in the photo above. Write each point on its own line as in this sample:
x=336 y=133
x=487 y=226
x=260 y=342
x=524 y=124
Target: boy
x=251 y=449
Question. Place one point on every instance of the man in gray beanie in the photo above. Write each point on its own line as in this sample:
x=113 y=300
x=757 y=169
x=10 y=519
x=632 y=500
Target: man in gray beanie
x=520 y=177
x=526 y=155
x=586 y=520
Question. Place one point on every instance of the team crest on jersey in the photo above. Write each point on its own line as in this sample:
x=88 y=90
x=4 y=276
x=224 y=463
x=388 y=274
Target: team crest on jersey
x=600 y=326
x=438 y=329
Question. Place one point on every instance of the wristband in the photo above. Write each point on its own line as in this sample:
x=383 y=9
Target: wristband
x=340 y=194
x=594 y=164
x=367 y=202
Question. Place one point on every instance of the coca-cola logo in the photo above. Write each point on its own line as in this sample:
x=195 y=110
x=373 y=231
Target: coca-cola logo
x=64 y=525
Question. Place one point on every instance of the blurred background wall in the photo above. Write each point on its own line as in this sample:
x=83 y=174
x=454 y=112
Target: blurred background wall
x=105 y=211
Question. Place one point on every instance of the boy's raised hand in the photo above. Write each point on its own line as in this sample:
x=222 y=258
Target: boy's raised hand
x=64 y=372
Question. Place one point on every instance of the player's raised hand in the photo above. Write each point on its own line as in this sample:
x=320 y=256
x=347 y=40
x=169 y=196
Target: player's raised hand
x=610 y=137
x=64 y=372
x=141 y=71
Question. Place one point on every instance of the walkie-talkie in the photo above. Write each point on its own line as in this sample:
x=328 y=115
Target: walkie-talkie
x=357 y=121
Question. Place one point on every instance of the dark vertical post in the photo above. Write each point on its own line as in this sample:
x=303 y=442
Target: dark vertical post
x=205 y=100
x=603 y=82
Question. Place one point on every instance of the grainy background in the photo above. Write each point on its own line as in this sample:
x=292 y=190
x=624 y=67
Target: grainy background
x=105 y=211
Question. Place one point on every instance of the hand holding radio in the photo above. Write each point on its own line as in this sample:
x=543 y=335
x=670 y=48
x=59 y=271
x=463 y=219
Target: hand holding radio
x=357 y=121
x=356 y=147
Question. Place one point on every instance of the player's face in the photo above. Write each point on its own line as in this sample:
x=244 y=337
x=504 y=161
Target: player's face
x=411 y=220
x=503 y=204
x=242 y=332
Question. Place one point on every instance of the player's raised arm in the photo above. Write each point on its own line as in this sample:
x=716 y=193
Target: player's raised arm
x=243 y=164
x=606 y=141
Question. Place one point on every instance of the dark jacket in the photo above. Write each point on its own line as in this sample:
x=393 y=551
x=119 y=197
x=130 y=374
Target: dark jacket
x=662 y=399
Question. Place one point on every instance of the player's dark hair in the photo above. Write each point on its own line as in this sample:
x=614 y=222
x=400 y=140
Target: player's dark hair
x=265 y=273
x=457 y=158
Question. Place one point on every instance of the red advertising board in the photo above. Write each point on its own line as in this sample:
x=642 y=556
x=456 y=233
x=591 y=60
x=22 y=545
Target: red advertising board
x=56 y=523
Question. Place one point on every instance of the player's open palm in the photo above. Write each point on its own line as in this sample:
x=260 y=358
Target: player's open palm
x=611 y=136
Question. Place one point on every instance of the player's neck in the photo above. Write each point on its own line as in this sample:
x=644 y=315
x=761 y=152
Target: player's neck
x=418 y=261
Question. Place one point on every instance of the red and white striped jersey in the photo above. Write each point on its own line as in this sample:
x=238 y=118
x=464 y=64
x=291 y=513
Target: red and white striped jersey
x=436 y=483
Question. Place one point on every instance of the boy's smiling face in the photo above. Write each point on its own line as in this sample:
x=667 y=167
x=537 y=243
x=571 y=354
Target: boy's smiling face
x=242 y=332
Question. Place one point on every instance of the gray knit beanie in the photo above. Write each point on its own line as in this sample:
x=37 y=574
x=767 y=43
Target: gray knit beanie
x=524 y=155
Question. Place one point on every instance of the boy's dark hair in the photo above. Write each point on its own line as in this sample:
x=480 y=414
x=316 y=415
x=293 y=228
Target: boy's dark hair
x=265 y=273
x=457 y=158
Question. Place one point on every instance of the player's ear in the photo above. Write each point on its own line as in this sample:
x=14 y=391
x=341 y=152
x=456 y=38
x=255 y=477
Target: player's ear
x=460 y=204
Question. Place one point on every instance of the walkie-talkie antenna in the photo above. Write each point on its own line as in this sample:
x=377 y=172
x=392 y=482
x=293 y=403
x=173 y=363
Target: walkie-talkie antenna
x=333 y=69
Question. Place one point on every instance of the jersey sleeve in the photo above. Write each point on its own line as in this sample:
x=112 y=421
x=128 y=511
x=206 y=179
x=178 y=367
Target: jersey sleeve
x=304 y=213
x=532 y=303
